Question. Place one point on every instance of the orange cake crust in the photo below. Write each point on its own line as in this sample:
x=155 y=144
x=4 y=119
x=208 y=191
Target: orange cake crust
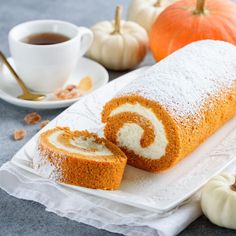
x=82 y=169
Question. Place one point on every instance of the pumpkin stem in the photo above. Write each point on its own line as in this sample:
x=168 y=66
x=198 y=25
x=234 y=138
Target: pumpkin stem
x=117 y=20
x=200 y=7
x=158 y=3
x=233 y=186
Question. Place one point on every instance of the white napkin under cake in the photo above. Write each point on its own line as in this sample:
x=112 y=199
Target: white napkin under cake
x=94 y=211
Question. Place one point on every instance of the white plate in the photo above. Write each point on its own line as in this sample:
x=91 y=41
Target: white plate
x=9 y=89
x=156 y=192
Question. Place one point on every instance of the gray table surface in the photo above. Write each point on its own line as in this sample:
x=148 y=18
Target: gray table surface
x=20 y=217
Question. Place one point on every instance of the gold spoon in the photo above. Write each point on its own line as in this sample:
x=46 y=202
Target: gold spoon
x=26 y=95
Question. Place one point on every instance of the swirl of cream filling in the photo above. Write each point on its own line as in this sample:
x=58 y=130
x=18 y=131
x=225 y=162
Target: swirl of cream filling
x=82 y=145
x=131 y=134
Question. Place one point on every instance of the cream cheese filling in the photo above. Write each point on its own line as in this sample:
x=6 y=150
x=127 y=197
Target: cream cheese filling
x=129 y=135
x=84 y=145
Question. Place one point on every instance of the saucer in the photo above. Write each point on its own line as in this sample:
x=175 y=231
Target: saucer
x=9 y=89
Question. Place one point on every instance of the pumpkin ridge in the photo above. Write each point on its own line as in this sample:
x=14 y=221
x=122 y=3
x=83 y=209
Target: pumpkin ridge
x=229 y=34
x=123 y=56
x=229 y=21
x=169 y=49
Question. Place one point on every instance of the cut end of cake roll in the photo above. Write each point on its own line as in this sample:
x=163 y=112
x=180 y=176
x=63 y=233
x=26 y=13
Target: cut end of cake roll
x=143 y=130
x=79 y=158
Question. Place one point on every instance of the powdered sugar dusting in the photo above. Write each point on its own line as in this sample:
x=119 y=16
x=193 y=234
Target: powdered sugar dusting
x=183 y=82
x=45 y=168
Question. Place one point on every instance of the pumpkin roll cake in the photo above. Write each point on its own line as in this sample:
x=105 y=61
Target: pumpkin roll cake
x=163 y=115
x=79 y=158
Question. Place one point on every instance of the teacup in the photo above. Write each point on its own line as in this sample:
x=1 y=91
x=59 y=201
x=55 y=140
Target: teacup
x=45 y=68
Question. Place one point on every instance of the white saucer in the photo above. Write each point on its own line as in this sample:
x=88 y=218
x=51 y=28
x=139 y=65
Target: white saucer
x=9 y=89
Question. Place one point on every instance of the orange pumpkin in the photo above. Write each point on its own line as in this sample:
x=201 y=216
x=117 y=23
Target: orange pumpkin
x=187 y=21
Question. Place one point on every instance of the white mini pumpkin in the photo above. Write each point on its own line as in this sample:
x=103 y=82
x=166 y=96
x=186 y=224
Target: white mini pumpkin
x=118 y=45
x=145 y=12
x=218 y=200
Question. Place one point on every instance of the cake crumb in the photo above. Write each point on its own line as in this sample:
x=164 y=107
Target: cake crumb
x=32 y=118
x=85 y=84
x=19 y=134
x=44 y=123
x=70 y=87
x=69 y=92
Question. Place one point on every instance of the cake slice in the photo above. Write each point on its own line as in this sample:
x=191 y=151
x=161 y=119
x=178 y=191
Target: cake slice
x=79 y=158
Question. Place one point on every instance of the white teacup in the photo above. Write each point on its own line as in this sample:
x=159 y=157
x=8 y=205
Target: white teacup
x=45 y=68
